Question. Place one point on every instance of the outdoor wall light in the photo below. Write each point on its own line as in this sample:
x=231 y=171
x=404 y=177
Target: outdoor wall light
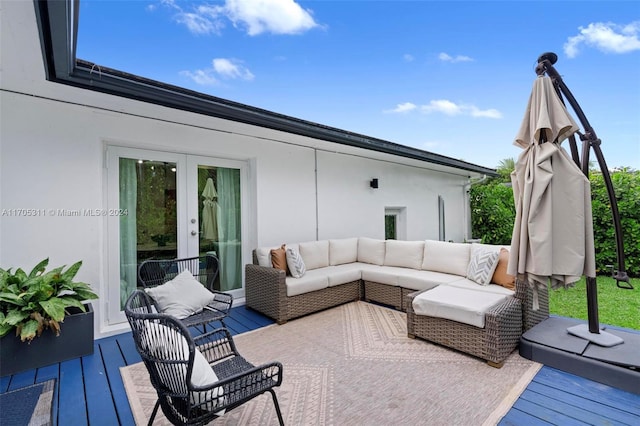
x=374 y=183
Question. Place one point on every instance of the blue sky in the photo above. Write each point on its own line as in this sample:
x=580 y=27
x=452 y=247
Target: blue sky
x=450 y=77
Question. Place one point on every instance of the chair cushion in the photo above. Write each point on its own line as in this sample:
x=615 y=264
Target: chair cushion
x=343 y=251
x=371 y=251
x=500 y=275
x=457 y=304
x=406 y=254
x=182 y=296
x=482 y=264
x=295 y=263
x=159 y=339
x=279 y=258
x=450 y=258
x=315 y=254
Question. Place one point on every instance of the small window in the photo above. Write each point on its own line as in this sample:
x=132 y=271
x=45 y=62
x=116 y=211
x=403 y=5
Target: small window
x=390 y=226
x=395 y=223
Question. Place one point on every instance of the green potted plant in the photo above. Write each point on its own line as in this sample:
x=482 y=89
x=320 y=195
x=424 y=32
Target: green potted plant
x=44 y=317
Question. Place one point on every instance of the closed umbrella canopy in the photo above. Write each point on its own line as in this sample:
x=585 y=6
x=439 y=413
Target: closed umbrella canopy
x=210 y=212
x=552 y=238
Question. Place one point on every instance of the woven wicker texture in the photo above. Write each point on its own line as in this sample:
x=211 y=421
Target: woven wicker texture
x=494 y=342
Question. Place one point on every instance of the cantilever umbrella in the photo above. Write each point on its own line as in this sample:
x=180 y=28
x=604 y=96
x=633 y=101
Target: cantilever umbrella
x=210 y=212
x=552 y=240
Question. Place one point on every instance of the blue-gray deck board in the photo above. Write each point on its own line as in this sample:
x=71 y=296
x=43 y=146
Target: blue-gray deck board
x=89 y=390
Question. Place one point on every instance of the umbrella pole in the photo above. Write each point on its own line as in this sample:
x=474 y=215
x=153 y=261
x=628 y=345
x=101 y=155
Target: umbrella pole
x=590 y=140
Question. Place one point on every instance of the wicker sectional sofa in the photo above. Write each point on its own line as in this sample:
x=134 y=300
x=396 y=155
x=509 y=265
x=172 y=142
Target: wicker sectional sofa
x=429 y=277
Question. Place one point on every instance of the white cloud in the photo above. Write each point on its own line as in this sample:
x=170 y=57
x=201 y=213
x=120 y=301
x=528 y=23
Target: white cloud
x=196 y=23
x=202 y=77
x=442 y=105
x=445 y=57
x=273 y=16
x=222 y=68
x=447 y=107
x=606 y=37
x=487 y=113
x=405 y=107
x=254 y=16
x=408 y=57
x=231 y=68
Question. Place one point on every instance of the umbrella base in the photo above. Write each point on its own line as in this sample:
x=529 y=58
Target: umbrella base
x=601 y=339
x=551 y=344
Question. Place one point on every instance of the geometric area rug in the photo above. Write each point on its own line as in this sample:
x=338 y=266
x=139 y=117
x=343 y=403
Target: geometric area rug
x=31 y=405
x=354 y=364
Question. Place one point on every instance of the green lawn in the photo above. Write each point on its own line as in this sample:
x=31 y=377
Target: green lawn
x=616 y=306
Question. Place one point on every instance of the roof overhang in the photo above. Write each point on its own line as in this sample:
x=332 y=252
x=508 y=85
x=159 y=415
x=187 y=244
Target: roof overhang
x=58 y=26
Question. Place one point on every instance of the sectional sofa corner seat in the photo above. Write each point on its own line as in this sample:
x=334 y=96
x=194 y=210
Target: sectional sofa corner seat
x=485 y=321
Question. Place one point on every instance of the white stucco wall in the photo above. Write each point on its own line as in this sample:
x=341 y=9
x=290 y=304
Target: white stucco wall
x=52 y=156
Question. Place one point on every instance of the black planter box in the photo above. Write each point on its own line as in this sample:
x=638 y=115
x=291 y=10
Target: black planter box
x=75 y=340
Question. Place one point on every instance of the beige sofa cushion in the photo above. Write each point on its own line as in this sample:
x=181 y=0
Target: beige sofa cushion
x=315 y=254
x=424 y=280
x=471 y=285
x=450 y=258
x=457 y=304
x=371 y=251
x=264 y=256
x=406 y=254
x=311 y=281
x=381 y=274
x=342 y=274
x=343 y=251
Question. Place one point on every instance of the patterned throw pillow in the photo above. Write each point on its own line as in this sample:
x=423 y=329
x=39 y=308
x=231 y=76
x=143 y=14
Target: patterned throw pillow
x=295 y=263
x=482 y=265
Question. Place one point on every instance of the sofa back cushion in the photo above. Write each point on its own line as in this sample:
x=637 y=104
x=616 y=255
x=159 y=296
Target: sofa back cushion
x=451 y=258
x=343 y=251
x=315 y=254
x=406 y=254
x=264 y=256
x=371 y=251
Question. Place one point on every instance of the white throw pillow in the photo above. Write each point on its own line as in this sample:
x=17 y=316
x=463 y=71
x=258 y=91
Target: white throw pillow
x=295 y=263
x=182 y=296
x=482 y=264
x=159 y=339
x=406 y=254
x=315 y=254
x=343 y=251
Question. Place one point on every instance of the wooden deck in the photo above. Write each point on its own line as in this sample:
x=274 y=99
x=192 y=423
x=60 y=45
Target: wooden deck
x=89 y=390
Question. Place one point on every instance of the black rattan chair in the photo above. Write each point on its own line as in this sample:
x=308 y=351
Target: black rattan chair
x=171 y=355
x=152 y=273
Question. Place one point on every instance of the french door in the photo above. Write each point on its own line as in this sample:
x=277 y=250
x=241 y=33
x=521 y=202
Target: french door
x=172 y=205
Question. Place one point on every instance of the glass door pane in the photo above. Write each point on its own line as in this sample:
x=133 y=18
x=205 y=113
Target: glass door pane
x=218 y=211
x=149 y=231
x=144 y=188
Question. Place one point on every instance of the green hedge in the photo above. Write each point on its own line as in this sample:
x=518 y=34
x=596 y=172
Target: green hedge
x=493 y=214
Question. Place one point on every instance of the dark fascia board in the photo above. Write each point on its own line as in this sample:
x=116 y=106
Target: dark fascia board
x=57 y=24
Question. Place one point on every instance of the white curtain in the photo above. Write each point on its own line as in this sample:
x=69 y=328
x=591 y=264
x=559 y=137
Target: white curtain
x=230 y=241
x=128 y=237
